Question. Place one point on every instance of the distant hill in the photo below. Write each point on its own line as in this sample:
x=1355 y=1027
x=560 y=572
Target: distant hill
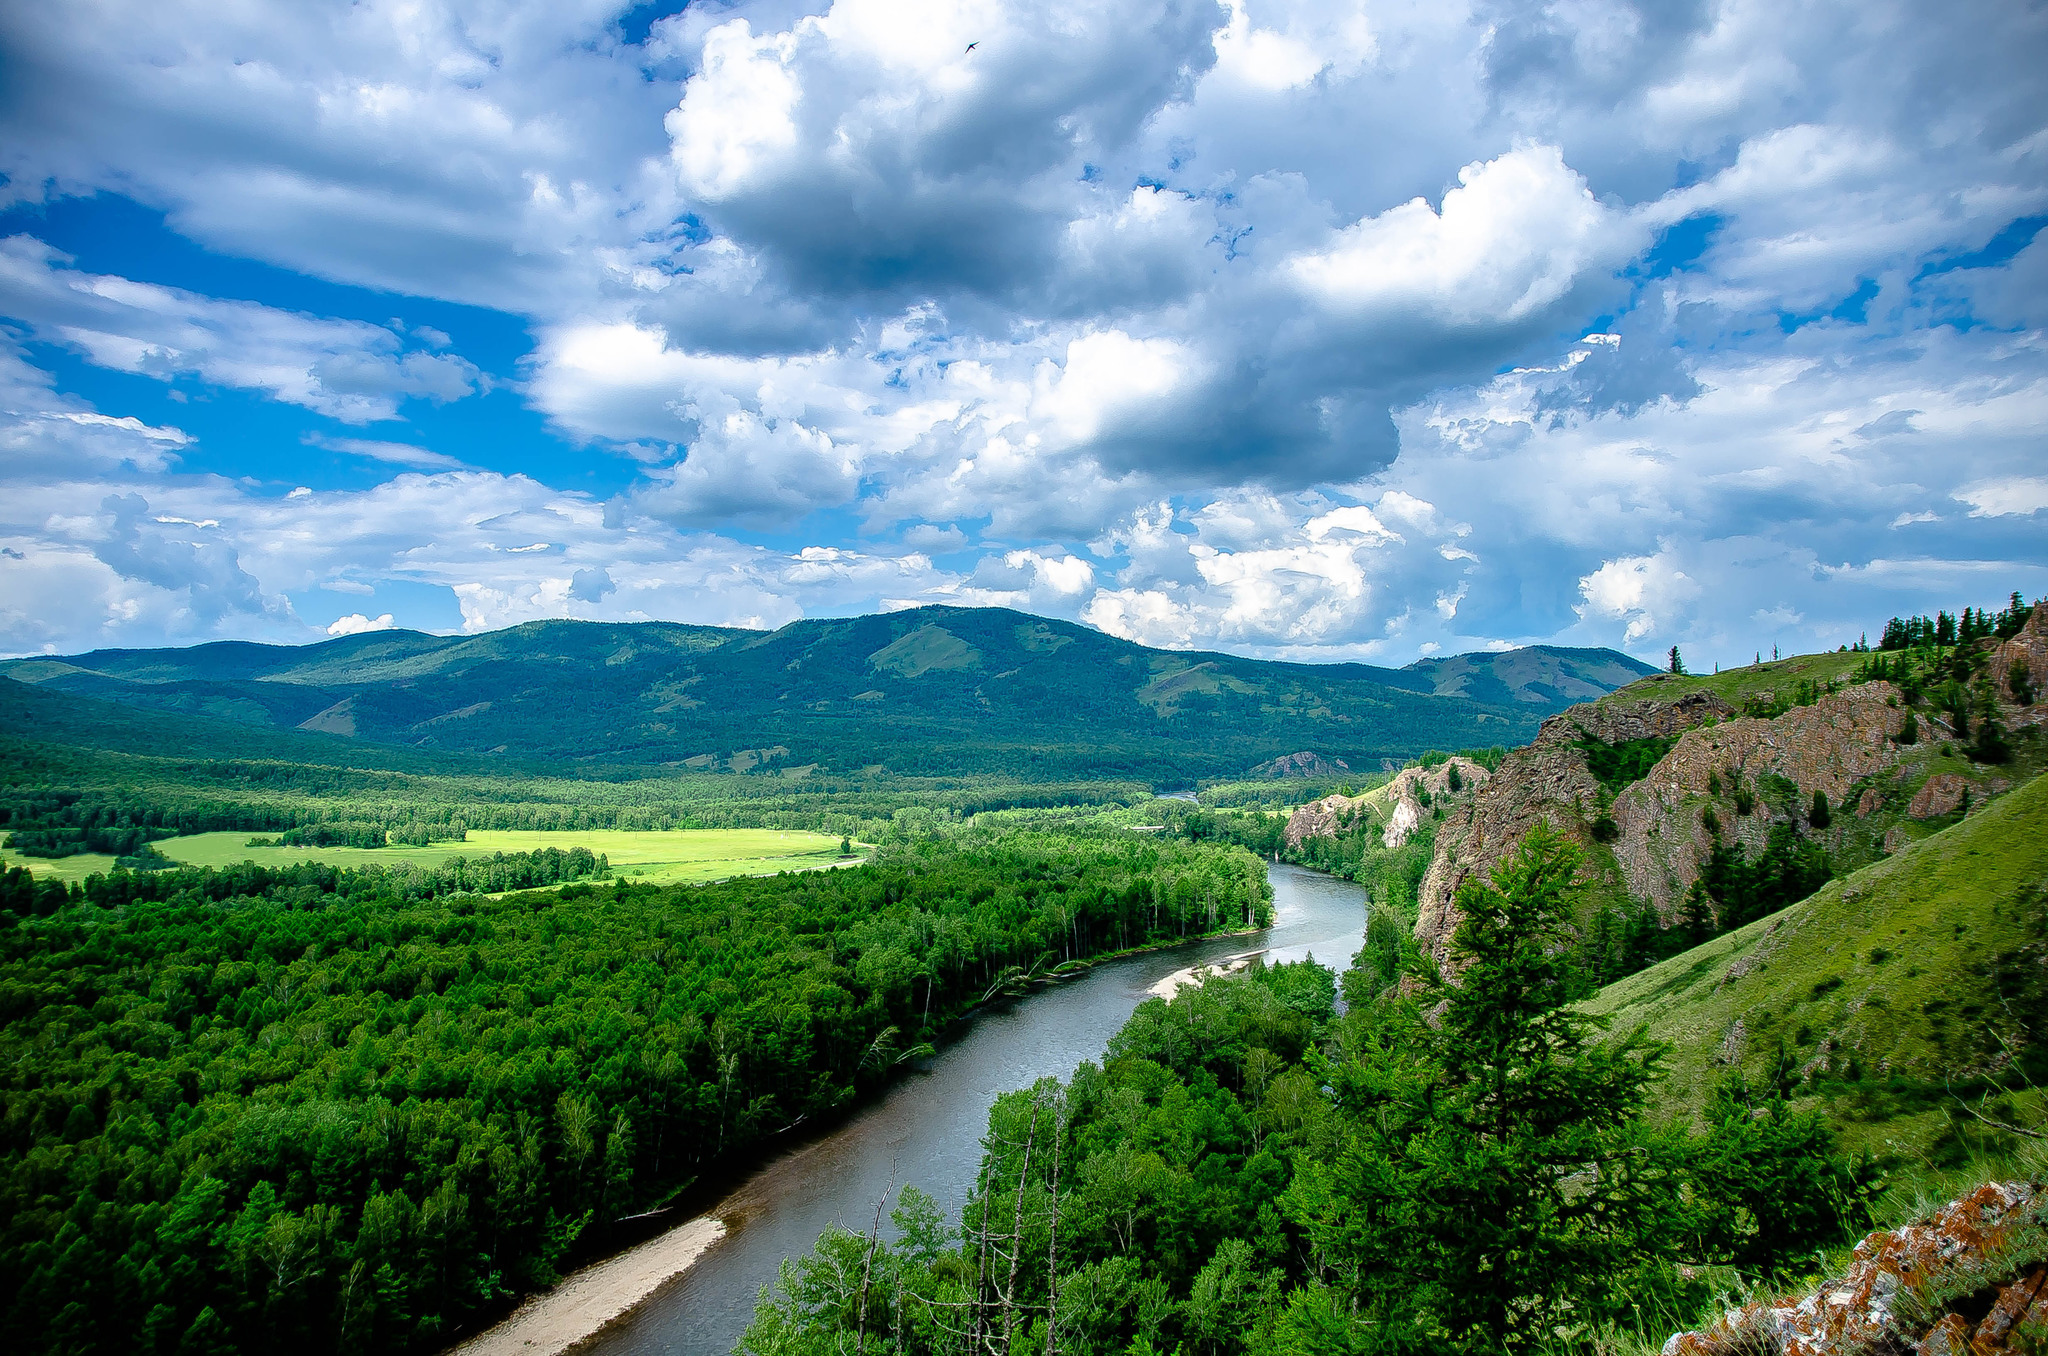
x=1548 y=676
x=935 y=690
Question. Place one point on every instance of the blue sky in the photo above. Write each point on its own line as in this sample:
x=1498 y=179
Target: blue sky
x=1318 y=331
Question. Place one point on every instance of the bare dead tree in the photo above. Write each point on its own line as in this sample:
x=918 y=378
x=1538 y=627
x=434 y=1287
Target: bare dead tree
x=1017 y=1235
x=867 y=1266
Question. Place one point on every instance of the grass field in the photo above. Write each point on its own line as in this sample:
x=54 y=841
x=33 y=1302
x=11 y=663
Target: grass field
x=659 y=857
x=66 y=869
x=1882 y=986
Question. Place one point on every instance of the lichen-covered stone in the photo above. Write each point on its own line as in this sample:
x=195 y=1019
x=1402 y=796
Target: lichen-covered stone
x=1864 y=1309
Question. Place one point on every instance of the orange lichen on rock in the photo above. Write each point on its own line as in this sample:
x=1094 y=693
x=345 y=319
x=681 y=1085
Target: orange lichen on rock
x=1892 y=1276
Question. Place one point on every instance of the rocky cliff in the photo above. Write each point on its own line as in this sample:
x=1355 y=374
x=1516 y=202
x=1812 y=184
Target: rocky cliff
x=2030 y=649
x=1663 y=839
x=1551 y=779
x=1725 y=775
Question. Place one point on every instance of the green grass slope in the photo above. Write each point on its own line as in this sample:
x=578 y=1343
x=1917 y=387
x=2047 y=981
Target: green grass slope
x=1888 y=991
x=1738 y=686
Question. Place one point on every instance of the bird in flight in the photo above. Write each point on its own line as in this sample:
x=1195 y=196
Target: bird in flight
x=971 y=46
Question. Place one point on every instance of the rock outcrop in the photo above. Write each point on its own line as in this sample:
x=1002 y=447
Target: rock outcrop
x=1908 y=1289
x=1548 y=780
x=1942 y=795
x=2030 y=648
x=1323 y=818
x=1303 y=764
x=1398 y=806
x=1828 y=747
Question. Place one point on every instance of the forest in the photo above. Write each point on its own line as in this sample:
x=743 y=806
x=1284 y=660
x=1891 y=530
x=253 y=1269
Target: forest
x=310 y=1109
x=1442 y=1168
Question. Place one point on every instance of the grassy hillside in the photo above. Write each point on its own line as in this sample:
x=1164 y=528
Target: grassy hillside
x=934 y=691
x=1738 y=686
x=1884 y=991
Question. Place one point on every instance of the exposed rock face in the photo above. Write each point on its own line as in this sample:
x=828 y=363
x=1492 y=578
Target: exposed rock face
x=2030 y=647
x=1942 y=795
x=1866 y=1308
x=1323 y=818
x=1548 y=780
x=1406 y=806
x=1303 y=764
x=1401 y=799
x=1826 y=747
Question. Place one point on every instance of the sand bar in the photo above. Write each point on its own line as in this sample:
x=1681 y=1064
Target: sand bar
x=1195 y=974
x=559 y=1319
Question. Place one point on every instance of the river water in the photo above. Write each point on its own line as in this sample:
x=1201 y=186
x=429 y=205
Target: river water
x=926 y=1131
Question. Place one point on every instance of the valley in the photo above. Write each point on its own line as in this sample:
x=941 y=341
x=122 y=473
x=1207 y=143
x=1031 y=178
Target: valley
x=414 y=1025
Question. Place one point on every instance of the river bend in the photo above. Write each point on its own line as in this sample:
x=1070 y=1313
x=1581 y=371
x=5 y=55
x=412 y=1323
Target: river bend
x=926 y=1130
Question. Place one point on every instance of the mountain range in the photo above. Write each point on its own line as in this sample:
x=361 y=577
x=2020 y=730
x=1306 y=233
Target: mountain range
x=933 y=690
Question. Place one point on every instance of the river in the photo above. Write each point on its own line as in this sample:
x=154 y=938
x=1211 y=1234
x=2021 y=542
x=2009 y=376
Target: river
x=927 y=1129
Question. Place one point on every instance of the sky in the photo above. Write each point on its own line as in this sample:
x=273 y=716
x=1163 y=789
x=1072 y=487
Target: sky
x=1316 y=331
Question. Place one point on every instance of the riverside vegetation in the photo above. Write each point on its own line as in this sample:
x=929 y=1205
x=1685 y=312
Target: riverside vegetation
x=361 y=1107
x=1488 y=1162
x=326 y=1110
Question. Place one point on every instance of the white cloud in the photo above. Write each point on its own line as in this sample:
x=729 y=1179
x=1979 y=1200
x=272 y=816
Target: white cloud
x=2012 y=495
x=1513 y=239
x=355 y=624
x=1648 y=592
x=1299 y=327
x=397 y=454
x=344 y=369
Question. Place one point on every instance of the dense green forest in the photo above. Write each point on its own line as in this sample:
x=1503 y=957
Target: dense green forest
x=310 y=1110
x=1441 y=1169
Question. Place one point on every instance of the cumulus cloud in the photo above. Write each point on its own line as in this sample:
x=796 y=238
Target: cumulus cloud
x=355 y=624
x=1301 y=328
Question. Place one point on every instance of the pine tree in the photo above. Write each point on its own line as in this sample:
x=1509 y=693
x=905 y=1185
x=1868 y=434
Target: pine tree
x=1463 y=1216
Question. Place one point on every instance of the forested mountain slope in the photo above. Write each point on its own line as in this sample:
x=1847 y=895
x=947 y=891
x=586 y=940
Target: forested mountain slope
x=933 y=690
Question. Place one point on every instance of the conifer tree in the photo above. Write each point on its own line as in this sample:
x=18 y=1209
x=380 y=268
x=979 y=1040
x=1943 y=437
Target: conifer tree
x=1498 y=1180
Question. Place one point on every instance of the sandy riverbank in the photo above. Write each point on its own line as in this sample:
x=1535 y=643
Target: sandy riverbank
x=1195 y=974
x=577 y=1309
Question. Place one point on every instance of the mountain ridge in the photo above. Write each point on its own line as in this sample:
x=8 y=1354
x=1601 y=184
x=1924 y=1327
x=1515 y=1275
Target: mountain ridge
x=923 y=689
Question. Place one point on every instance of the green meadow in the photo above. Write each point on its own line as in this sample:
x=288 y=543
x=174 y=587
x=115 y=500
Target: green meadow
x=669 y=856
x=70 y=869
